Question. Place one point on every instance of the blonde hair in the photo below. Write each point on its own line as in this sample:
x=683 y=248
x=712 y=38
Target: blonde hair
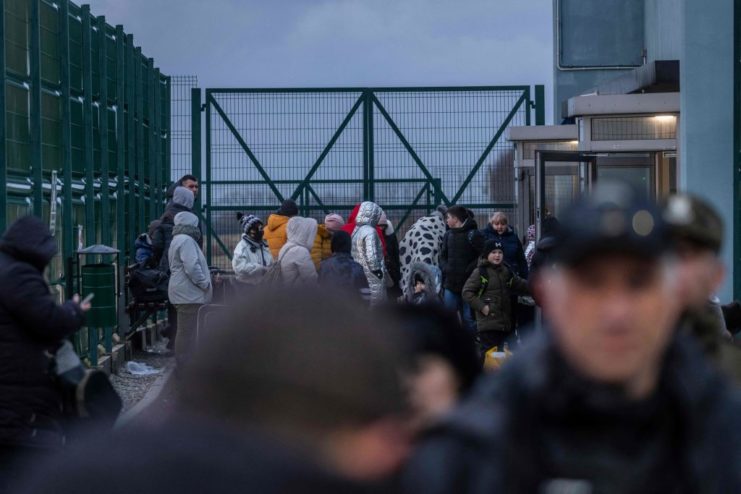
x=499 y=217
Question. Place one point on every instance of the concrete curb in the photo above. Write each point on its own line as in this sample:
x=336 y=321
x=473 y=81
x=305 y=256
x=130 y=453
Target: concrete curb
x=152 y=394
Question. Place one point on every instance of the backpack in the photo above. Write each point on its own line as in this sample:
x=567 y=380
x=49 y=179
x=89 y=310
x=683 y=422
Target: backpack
x=485 y=280
x=147 y=284
x=274 y=275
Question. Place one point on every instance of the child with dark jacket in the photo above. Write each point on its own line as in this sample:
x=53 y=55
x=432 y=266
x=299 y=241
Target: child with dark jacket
x=489 y=292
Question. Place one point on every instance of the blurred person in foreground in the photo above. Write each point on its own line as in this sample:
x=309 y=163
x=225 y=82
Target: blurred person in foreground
x=697 y=236
x=32 y=328
x=305 y=399
x=444 y=362
x=611 y=398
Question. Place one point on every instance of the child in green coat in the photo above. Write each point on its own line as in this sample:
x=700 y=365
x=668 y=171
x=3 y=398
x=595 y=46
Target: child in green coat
x=489 y=292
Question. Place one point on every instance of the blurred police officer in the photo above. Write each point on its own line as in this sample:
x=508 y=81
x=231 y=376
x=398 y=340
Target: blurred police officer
x=611 y=398
x=696 y=231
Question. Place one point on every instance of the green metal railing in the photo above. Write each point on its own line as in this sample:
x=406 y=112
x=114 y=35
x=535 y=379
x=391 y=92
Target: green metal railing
x=83 y=105
x=408 y=149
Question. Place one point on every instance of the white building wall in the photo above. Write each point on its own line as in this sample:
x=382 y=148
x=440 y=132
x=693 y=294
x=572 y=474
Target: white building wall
x=706 y=133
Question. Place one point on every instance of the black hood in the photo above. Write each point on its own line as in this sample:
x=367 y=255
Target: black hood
x=28 y=239
x=341 y=242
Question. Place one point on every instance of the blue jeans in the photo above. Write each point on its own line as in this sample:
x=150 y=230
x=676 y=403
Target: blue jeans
x=454 y=301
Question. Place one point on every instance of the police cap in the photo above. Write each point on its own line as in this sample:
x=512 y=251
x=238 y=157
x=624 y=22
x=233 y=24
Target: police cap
x=613 y=219
x=693 y=219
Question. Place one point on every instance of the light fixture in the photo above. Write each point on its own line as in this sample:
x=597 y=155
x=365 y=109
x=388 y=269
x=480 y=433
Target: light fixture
x=664 y=118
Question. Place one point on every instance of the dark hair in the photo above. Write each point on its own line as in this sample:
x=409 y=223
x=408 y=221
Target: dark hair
x=192 y=178
x=459 y=212
x=318 y=363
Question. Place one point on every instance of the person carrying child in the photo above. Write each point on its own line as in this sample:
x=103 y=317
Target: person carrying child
x=489 y=292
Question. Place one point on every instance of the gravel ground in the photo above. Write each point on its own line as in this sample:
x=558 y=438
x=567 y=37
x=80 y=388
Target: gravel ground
x=132 y=388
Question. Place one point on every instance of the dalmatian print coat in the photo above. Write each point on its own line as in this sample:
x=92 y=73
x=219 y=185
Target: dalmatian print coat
x=422 y=243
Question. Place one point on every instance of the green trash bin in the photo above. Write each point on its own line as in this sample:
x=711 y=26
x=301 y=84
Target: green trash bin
x=100 y=279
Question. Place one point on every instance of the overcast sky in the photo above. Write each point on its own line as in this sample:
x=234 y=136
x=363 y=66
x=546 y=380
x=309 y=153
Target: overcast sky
x=274 y=43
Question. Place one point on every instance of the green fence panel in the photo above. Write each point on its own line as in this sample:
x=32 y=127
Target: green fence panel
x=408 y=149
x=71 y=109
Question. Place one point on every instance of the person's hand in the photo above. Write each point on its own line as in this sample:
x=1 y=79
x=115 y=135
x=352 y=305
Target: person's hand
x=83 y=307
x=485 y=311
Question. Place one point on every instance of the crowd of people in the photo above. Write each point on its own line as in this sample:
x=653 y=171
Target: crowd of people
x=348 y=361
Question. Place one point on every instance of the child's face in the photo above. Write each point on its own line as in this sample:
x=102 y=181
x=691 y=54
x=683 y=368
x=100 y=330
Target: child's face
x=496 y=257
x=419 y=287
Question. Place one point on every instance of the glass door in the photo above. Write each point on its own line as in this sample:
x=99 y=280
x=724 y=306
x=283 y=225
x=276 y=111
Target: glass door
x=560 y=179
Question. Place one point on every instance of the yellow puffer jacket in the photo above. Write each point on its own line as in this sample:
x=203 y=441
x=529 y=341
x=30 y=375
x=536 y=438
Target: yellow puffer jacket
x=275 y=233
x=322 y=245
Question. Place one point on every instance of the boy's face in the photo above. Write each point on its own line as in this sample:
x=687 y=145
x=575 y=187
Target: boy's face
x=452 y=221
x=495 y=257
x=419 y=287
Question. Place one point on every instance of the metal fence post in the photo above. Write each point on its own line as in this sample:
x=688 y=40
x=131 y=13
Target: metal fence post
x=539 y=104
x=87 y=112
x=209 y=187
x=139 y=132
x=195 y=133
x=151 y=148
x=68 y=236
x=105 y=205
x=35 y=107
x=166 y=172
x=121 y=202
x=3 y=160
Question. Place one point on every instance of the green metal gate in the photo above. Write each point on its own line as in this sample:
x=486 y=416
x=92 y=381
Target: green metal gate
x=408 y=149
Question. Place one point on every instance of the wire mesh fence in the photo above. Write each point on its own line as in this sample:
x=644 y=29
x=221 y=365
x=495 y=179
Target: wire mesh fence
x=181 y=133
x=408 y=149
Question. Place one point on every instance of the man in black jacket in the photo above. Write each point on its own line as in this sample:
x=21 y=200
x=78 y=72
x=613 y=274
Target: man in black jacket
x=32 y=326
x=611 y=398
x=461 y=247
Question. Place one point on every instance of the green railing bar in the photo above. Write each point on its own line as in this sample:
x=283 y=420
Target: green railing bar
x=3 y=157
x=139 y=114
x=389 y=207
x=105 y=205
x=35 y=107
x=68 y=240
x=318 y=181
x=488 y=149
x=246 y=148
x=130 y=138
x=153 y=168
x=361 y=89
x=539 y=104
x=168 y=140
x=408 y=146
x=209 y=191
x=87 y=118
x=157 y=139
x=370 y=147
x=327 y=148
x=195 y=141
x=121 y=240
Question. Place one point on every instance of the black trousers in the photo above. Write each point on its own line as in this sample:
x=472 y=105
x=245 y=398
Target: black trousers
x=490 y=339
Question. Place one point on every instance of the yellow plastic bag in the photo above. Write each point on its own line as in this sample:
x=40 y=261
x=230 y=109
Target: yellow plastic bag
x=494 y=359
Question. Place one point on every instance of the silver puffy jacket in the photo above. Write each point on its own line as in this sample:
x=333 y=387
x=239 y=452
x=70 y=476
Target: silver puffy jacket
x=367 y=249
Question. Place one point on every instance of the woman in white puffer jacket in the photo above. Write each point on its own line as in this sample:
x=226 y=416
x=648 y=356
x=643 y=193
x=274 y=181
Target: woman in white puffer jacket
x=252 y=257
